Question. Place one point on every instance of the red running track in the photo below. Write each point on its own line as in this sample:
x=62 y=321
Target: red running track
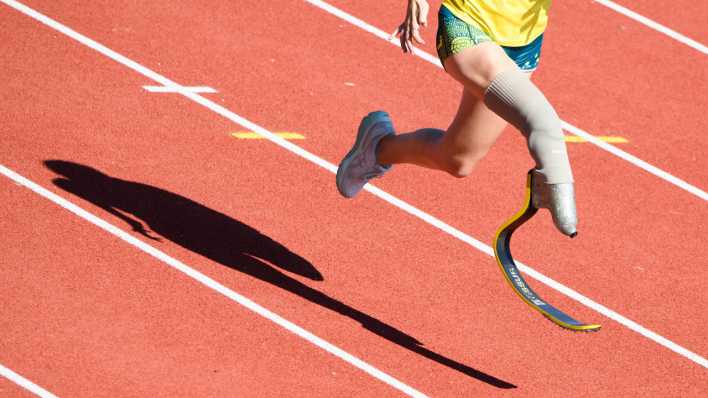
x=90 y=315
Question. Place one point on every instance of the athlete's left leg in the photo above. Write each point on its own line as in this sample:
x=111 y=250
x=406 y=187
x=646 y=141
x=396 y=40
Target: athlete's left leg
x=473 y=131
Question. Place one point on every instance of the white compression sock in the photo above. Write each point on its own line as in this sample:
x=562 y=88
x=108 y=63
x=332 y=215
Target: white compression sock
x=517 y=100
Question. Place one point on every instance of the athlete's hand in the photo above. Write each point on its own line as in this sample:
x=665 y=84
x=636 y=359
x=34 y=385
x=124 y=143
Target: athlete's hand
x=409 y=30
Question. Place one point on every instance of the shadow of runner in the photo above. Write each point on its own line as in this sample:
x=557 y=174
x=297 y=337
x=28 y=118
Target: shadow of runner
x=224 y=240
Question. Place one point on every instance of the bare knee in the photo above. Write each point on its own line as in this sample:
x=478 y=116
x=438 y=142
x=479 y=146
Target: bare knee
x=459 y=155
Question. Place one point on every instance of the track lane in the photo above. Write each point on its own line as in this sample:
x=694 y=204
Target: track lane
x=683 y=16
x=52 y=123
x=362 y=223
x=128 y=327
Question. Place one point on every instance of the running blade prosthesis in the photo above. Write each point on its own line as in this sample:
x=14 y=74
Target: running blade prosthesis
x=502 y=253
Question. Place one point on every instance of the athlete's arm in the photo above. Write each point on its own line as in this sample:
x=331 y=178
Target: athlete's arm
x=409 y=30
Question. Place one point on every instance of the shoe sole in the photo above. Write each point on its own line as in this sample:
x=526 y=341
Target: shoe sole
x=363 y=129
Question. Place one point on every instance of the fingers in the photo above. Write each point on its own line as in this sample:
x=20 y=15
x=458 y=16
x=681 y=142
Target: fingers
x=408 y=34
x=422 y=14
x=416 y=35
x=409 y=31
x=402 y=33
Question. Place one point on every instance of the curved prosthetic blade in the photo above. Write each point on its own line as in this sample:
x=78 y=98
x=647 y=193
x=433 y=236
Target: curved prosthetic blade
x=502 y=252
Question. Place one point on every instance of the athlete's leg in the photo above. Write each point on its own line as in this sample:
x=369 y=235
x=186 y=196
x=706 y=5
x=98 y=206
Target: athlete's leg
x=491 y=78
x=475 y=127
x=510 y=94
x=457 y=150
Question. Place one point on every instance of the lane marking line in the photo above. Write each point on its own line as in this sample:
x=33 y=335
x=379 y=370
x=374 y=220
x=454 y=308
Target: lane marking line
x=252 y=135
x=566 y=126
x=210 y=283
x=179 y=89
x=604 y=138
x=220 y=110
x=24 y=383
x=653 y=25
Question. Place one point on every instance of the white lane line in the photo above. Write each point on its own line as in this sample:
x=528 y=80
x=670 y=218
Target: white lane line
x=216 y=108
x=211 y=283
x=24 y=383
x=636 y=161
x=542 y=278
x=179 y=89
x=567 y=126
x=653 y=25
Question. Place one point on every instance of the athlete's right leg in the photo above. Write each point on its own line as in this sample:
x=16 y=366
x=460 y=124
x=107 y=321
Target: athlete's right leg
x=489 y=75
x=508 y=92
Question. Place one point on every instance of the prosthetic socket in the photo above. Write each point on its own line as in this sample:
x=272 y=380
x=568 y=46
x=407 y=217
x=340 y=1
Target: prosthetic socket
x=517 y=100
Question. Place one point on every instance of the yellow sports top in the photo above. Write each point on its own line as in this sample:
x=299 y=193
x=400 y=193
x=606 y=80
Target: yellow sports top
x=512 y=23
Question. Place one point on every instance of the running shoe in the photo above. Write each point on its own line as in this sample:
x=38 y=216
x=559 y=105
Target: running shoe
x=360 y=164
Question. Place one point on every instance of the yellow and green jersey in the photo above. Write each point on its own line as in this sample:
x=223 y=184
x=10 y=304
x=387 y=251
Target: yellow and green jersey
x=512 y=23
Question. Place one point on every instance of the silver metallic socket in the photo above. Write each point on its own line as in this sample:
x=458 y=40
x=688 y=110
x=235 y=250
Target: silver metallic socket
x=559 y=199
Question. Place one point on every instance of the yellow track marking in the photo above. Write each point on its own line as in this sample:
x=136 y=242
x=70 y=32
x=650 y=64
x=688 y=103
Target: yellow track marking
x=606 y=138
x=250 y=135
